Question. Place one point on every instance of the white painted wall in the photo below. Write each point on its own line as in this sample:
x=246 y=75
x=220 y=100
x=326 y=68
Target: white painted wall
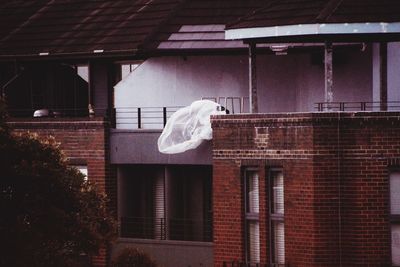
x=393 y=69
x=285 y=83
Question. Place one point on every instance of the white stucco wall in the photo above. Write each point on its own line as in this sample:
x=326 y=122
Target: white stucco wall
x=393 y=69
x=285 y=83
x=178 y=81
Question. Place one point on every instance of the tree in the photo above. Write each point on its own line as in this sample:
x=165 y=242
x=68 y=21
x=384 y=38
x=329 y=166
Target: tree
x=49 y=214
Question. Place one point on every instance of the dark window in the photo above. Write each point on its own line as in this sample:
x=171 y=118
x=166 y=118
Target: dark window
x=166 y=202
x=48 y=90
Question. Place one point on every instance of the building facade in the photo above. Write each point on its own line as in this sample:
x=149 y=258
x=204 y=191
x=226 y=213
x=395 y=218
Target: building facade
x=293 y=176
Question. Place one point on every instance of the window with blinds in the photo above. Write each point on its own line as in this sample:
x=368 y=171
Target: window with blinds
x=252 y=202
x=277 y=209
x=395 y=216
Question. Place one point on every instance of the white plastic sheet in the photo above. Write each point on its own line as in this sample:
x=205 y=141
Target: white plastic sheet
x=188 y=127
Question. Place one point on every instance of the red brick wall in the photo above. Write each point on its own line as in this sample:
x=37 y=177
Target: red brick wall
x=84 y=142
x=336 y=184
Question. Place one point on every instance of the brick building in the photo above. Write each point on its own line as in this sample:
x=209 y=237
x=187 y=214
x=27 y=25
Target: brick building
x=303 y=172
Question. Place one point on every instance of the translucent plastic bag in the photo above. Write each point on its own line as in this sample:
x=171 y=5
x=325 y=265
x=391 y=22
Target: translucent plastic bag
x=188 y=127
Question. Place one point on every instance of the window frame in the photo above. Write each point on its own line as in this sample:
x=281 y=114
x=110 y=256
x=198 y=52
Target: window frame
x=394 y=219
x=274 y=217
x=249 y=216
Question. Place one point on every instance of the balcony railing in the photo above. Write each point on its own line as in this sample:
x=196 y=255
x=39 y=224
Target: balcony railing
x=162 y=229
x=143 y=117
x=50 y=113
x=356 y=106
x=243 y=264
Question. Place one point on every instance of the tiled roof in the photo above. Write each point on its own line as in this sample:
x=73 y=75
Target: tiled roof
x=102 y=27
x=15 y=13
x=292 y=12
x=200 y=24
x=84 y=26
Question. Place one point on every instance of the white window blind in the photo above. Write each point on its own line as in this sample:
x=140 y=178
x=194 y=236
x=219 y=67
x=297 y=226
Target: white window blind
x=395 y=244
x=395 y=193
x=159 y=206
x=278 y=193
x=277 y=199
x=254 y=241
x=279 y=242
x=252 y=213
x=253 y=193
x=395 y=210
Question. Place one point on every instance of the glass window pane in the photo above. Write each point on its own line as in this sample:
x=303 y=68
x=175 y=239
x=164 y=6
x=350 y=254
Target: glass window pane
x=277 y=192
x=125 y=70
x=396 y=244
x=395 y=193
x=252 y=192
x=254 y=241
x=83 y=169
x=279 y=242
x=83 y=71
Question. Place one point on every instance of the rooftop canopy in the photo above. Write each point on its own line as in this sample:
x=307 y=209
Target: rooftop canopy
x=320 y=20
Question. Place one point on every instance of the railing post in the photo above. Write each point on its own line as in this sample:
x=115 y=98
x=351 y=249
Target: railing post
x=139 y=118
x=341 y=106
x=164 y=116
x=363 y=106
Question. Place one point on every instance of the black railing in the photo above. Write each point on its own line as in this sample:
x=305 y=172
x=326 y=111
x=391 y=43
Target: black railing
x=51 y=113
x=242 y=264
x=143 y=227
x=143 y=117
x=357 y=106
x=162 y=229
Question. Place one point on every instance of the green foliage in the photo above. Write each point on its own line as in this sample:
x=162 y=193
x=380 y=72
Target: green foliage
x=49 y=214
x=133 y=257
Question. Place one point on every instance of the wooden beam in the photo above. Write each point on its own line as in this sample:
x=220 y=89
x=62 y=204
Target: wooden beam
x=253 y=105
x=383 y=95
x=328 y=75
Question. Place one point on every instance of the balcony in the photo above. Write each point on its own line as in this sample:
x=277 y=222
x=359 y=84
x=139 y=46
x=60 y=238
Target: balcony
x=166 y=229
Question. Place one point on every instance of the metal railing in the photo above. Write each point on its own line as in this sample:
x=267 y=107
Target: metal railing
x=52 y=113
x=242 y=264
x=143 y=227
x=234 y=104
x=143 y=117
x=162 y=229
x=356 y=106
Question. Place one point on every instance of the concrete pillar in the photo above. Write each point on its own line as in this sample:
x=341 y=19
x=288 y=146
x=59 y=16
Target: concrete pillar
x=328 y=75
x=253 y=105
x=383 y=95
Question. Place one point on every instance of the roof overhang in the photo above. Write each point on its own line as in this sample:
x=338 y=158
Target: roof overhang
x=319 y=31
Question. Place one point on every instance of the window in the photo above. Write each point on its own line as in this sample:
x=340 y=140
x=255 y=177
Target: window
x=277 y=210
x=49 y=89
x=127 y=68
x=252 y=232
x=83 y=169
x=165 y=202
x=395 y=216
